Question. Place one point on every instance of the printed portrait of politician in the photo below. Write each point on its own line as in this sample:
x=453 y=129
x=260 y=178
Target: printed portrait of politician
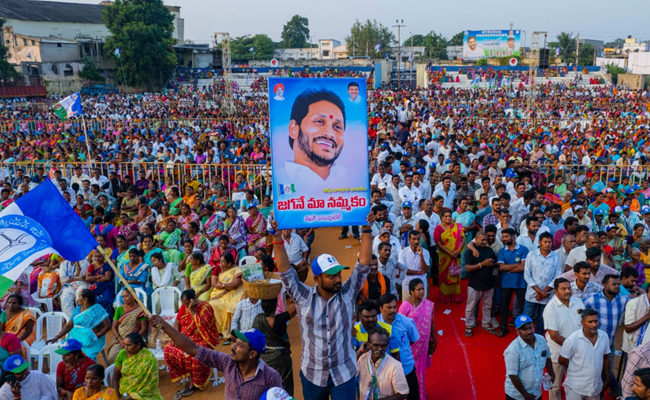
x=317 y=137
x=472 y=50
x=353 y=91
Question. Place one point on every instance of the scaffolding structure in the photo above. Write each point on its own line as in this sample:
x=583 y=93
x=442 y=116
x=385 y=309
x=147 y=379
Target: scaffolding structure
x=532 y=69
x=227 y=99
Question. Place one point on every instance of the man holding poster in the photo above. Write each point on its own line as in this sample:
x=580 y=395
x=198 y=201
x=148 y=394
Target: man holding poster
x=320 y=169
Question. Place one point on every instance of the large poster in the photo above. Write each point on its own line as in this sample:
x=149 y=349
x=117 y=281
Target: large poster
x=319 y=151
x=495 y=43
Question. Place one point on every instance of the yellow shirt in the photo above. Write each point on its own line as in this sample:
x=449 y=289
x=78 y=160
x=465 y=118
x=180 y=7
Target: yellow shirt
x=361 y=335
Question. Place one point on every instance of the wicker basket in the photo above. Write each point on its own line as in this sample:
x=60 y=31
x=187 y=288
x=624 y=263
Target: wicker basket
x=263 y=291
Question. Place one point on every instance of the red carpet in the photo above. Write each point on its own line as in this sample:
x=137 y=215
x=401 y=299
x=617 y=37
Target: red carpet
x=466 y=368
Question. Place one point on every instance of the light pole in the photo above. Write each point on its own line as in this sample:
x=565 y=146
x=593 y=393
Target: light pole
x=311 y=39
x=399 y=25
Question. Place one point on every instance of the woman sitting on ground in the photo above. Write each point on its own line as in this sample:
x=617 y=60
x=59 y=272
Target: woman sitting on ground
x=136 y=370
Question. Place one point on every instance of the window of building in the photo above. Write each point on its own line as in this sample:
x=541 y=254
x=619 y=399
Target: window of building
x=68 y=71
x=33 y=43
x=58 y=45
x=326 y=53
x=24 y=42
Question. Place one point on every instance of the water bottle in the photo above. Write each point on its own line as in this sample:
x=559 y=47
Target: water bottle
x=158 y=346
x=547 y=383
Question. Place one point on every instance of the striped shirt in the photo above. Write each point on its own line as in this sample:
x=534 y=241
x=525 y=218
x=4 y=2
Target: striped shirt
x=245 y=313
x=326 y=327
x=609 y=312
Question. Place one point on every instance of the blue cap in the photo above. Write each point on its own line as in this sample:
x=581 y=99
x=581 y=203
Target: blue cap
x=276 y=393
x=521 y=320
x=15 y=364
x=636 y=187
x=255 y=338
x=407 y=204
x=600 y=212
x=612 y=179
x=645 y=210
x=580 y=190
x=511 y=174
x=625 y=208
x=421 y=171
x=68 y=346
x=573 y=201
x=432 y=165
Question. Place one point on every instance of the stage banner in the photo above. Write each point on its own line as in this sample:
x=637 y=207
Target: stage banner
x=494 y=43
x=319 y=151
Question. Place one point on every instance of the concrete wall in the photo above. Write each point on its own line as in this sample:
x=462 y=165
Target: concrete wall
x=60 y=29
x=51 y=52
x=313 y=63
x=633 y=81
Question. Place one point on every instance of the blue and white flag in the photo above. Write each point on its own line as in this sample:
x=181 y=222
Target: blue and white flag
x=422 y=54
x=557 y=51
x=37 y=224
x=117 y=52
x=252 y=49
x=377 y=47
x=68 y=107
x=29 y=55
x=411 y=57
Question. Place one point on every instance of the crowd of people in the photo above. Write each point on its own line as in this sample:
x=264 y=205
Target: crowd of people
x=544 y=212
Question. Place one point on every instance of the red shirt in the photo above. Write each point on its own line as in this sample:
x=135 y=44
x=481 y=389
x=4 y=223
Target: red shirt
x=74 y=378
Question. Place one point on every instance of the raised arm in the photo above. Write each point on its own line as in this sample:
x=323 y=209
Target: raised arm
x=182 y=341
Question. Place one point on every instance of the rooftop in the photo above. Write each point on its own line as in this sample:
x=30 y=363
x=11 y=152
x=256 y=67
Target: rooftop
x=31 y=10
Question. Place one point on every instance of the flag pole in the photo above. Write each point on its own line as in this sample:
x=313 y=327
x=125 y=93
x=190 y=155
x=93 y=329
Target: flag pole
x=123 y=75
x=89 y=160
x=124 y=281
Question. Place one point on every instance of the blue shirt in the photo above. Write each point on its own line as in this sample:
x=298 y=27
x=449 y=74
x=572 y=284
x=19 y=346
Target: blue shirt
x=526 y=363
x=609 y=312
x=404 y=333
x=552 y=226
x=514 y=280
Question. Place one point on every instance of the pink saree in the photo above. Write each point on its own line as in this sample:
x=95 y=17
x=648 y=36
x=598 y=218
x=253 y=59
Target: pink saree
x=422 y=316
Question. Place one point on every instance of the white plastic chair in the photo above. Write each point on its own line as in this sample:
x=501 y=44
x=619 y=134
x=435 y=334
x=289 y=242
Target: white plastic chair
x=141 y=294
x=36 y=311
x=108 y=375
x=49 y=305
x=28 y=350
x=53 y=357
x=54 y=323
x=247 y=260
x=165 y=302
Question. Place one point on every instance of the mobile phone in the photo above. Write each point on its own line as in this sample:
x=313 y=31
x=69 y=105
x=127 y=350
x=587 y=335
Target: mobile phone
x=11 y=379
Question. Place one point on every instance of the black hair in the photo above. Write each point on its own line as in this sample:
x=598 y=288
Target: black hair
x=88 y=295
x=268 y=263
x=352 y=84
x=158 y=256
x=582 y=228
x=580 y=266
x=97 y=369
x=570 y=221
x=269 y=306
x=228 y=257
x=136 y=338
x=491 y=228
x=607 y=277
x=414 y=283
x=386 y=298
x=629 y=271
x=17 y=297
x=368 y=305
x=509 y=231
x=377 y=330
x=188 y=294
x=588 y=312
x=300 y=107
x=556 y=284
x=642 y=373
x=545 y=235
x=382 y=245
x=593 y=252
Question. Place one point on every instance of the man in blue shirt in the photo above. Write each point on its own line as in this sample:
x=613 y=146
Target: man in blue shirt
x=511 y=260
x=404 y=333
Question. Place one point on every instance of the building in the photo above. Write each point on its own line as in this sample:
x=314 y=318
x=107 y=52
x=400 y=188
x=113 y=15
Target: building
x=406 y=52
x=632 y=46
x=296 y=54
x=47 y=40
x=326 y=48
x=454 y=52
x=596 y=44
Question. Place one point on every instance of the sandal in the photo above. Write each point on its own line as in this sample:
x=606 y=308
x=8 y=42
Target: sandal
x=503 y=332
x=491 y=330
x=469 y=333
x=188 y=392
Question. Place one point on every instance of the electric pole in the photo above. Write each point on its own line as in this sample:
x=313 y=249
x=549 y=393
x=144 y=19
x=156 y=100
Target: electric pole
x=577 y=49
x=399 y=25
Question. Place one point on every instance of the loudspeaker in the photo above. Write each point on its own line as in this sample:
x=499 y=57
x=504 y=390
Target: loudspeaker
x=543 y=58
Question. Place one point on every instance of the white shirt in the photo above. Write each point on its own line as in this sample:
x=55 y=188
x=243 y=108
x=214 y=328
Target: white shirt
x=448 y=197
x=411 y=194
x=395 y=247
x=377 y=179
x=295 y=248
x=425 y=189
x=577 y=254
x=433 y=220
x=412 y=262
x=565 y=320
x=101 y=181
x=307 y=182
x=586 y=362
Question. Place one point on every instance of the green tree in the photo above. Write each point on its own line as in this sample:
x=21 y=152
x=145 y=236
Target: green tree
x=457 y=39
x=7 y=71
x=617 y=43
x=90 y=71
x=586 y=54
x=435 y=45
x=365 y=36
x=614 y=70
x=241 y=47
x=143 y=30
x=567 y=44
x=295 y=33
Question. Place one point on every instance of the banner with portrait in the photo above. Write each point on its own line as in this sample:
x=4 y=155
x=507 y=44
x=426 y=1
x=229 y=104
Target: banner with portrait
x=491 y=43
x=319 y=151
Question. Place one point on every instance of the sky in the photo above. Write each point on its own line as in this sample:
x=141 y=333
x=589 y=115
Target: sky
x=595 y=19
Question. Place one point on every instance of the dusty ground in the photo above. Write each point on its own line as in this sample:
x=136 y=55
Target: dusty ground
x=326 y=242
